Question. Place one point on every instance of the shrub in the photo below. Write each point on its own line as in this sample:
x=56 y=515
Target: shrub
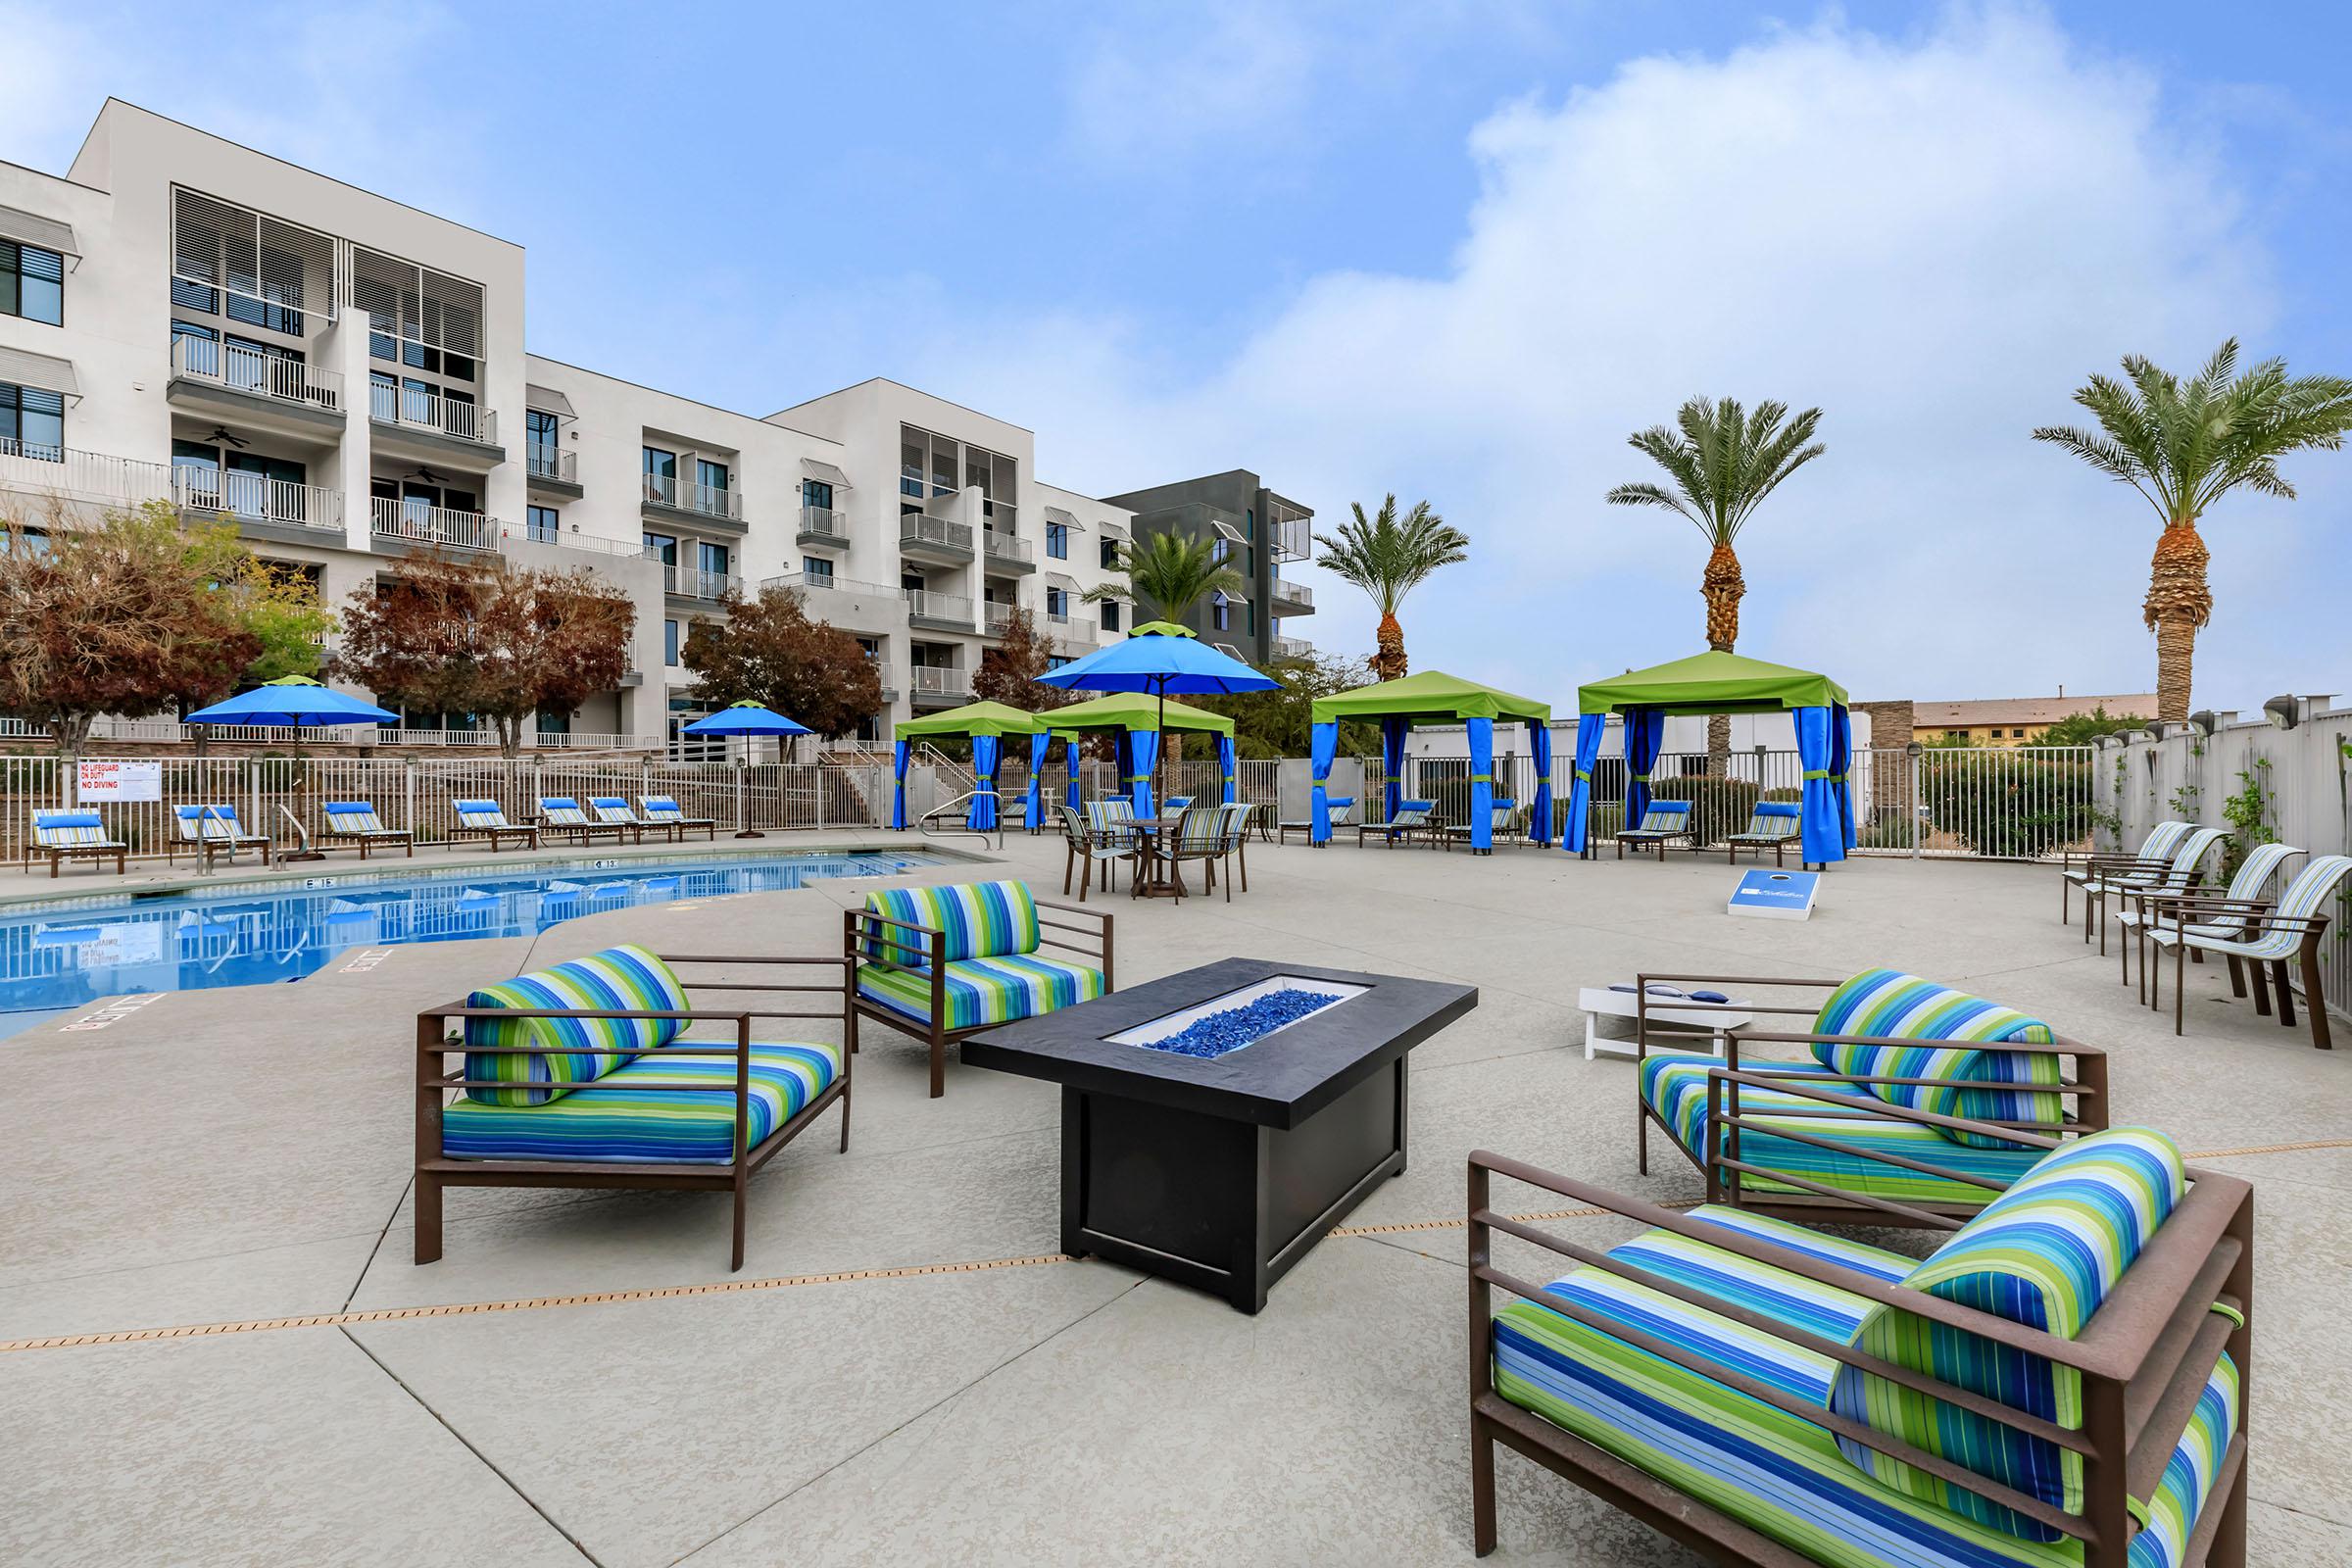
x=1888 y=830
x=2019 y=809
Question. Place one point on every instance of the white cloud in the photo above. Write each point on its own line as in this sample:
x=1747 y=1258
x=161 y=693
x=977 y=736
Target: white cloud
x=1934 y=239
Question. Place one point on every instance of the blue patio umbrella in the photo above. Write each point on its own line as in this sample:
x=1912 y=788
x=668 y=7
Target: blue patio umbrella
x=295 y=702
x=745 y=718
x=1155 y=658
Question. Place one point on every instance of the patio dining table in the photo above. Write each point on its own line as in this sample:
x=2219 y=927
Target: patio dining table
x=1156 y=877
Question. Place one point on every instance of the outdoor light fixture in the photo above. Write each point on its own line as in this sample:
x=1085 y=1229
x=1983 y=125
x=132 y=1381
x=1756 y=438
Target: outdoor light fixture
x=2282 y=711
x=2155 y=729
x=1913 y=750
x=2203 y=721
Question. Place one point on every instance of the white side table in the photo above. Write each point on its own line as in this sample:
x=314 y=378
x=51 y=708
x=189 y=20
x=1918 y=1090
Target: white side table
x=1610 y=1022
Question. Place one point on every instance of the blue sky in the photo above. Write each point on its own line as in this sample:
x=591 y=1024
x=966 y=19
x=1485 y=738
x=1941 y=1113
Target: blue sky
x=1457 y=250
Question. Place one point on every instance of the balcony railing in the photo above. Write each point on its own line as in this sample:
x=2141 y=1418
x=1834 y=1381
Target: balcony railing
x=914 y=528
x=1294 y=648
x=1294 y=538
x=70 y=472
x=823 y=523
x=813 y=579
x=949 y=610
x=684 y=495
x=420 y=523
x=269 y=375
x=1287 y=592
x=412 y=409
x=928 y=681
x=552 y=463
x=1000 y=617
x=692 y=582
x=254 y=498
x=1004 y=547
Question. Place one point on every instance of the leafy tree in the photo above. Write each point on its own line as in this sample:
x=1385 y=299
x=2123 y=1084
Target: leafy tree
x=2183 y=448
x=132 y=614
x=1279 y=723
x=1168 y=575
x=1724 y=460
x=456 y=634
x=292 y=622
x=1008 y=672
x=769 y=651
x=2080 y=730
x=1388 y=558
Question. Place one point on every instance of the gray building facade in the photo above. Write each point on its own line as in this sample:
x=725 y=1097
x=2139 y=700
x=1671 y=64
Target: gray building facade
x=1258 y=530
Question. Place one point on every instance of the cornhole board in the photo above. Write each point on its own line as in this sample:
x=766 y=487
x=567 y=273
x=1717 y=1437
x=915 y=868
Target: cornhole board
x=1775 y=894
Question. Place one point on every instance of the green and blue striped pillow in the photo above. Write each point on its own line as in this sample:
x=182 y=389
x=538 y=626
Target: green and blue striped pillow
x=2046 y=1253
x=624 y=978
x=1891 y=1004
x=981 y=919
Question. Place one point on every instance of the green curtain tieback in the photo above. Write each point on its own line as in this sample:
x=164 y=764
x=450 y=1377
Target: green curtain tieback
x=1812 y=773
x=1139 y=778
x=1482 y=779
x=1583 y=778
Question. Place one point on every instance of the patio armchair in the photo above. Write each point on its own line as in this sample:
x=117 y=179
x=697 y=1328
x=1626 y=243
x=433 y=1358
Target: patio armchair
x=1765 y=1394
x=1412 y=818
x=560 y=817
x=2118 y=883
x=1835 y=1135
x=212 y=831
x=578 y=1075
x=62 y=836
x=942 y=963
x=2287 y=931
x=1773 y=825
x=487 y=819
x=615 y=810
x=1506 y=823
x=661 y=811
x=2223 y=915
x=2076 y=867
x=1085 y=849
x=1662 y=823
x=1200 y=836
x=354 y=824
x=1342 y=812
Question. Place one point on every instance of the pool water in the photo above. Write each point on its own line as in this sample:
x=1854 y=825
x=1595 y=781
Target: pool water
x=62 y=954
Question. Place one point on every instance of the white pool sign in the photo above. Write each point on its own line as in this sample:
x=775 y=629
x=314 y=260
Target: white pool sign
x=94 y=782
x=1775 y=894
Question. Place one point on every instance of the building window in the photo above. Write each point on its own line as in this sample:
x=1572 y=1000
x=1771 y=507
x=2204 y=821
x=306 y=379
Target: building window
x=1058 y=540
x=1250 y=619
x=187 y=296
x=1111 y=614
x=817 y=571
x=33 y=423
x=553 y=724
x=1110 y=554
x=818 y=494
x=1220 y=551
x=661 y=475
x=669 y=642
x=1220 y=613
x=662 y=547
x=1249 y=524
x=543 y=525
x=1057 y=660
x=2017 y=734
x=539 y=441
x=712 y=476
x=1058 y=604
x=712 y=558
x=32 y=283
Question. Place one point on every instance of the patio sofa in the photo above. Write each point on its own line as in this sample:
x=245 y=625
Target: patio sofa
x=62 y=836
x=942 y=963
x=576 y=1076
x=2061 y=1381
x=1869 y=1126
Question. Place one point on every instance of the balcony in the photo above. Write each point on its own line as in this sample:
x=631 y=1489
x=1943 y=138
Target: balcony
x=428 y=425
x=951 y=611
x=1292 y=598
x=934 y=687
x=822 y=525
x=1294 y=648
x=1006 y=555
x=73 y=474
x=280 y=393
x=692 y=582
x=416 y=523
x=999 y=616
x=708 y=502
x=254 y=500
x=551 y=470
x=928 y=538
x=1294 y=538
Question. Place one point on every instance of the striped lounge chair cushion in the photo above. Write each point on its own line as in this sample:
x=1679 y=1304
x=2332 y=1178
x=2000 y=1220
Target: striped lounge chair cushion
x=981 y=919
x=480 y=813
x=623 y=1118
x=1774 y=1471
x=195 y=823
x=1887 y=1003
x=1675 y=1085
x=983 y=991
x=611 y=808
x=2312 y=892
x=562 y=808
x=626 y=978
x=353 y=816
x=661 y=809
x=1774 y=819
x=63 y=830
x=1663 y=816
x=2045 y=1253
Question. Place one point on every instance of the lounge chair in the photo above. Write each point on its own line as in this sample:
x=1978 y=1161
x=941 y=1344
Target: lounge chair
x=563 y=1088
x=1085 y=849
x=355 y=823
x=1773 y=825
x=1506 y=823
x=487 y=819
x=560 y=817
x=63 y=836
x=2288 y=930
x=661 y=811
x=1413 y=818
x=942 y=964
x=2120 y=882
x=212 y=831
x=1342 y=809
x=1176 y=802
x=2225 y=915
x=614 y=808
x=1662 y=823
x=1200 y=836
x=2077 y=867
x=1830 y=1132
x=1762 y=1394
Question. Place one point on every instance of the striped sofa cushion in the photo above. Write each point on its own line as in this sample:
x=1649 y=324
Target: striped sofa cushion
x=981 y=919
x=1888 y=1004
x=623 y=1119
x=625 y=978
x=1675 y=1085
x=2045 y=1253
x=57 y=830
x=1773 y=1471
x=983 y=991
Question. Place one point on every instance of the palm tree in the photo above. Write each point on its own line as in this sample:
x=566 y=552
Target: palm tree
x=1388 y=558
x=2185 y=447
x=1169 y=573
x=1724 y=460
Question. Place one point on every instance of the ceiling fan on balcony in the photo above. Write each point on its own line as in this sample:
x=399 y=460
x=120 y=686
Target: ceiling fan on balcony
x=221 y=436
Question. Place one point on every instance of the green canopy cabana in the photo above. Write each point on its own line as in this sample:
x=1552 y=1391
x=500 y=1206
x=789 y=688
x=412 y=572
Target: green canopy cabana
x=1124 y=714
x=1435 y=696
x=987 y=723
x=1716 y=682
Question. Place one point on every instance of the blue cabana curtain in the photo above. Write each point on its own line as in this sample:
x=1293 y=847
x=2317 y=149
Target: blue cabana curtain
x=897 y=798
x=1482 y=784
x=1842 y=767
x=984 y=749
x=1229 y=764
x=1644 y=732
x=1071 y=790
x=1143 y=751
x=1589 y=727
x=1823 y=833
x=1035 y=814
x=1539 y=733
x=1323 y=744
x=1392 y=760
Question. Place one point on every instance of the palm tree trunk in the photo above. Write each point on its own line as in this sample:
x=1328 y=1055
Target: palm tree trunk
x=1388 y=662
x=1722 y=587
x=2177 y=604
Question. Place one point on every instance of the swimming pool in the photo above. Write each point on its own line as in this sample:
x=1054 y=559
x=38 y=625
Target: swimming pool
x=61 y=953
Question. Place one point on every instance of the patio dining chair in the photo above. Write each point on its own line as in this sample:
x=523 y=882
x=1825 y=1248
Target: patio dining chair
x=1342 y=809
x=487 y=819
x=2289 y=930
x=1663 y=822
x=62 y=836
x=1200 y=836
x=2077 y=869
x=2176 y=874
x=354 y=824
x=560 y=817
x=661 y=811
x=2248 y=893
x=1773 y=825
x=1085 y=849
x=1236 y=829
x=212 y=831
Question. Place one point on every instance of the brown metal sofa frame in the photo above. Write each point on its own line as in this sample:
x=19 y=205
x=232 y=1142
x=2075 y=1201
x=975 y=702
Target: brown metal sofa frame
x=859 y=925
x=2143 y=1360
x=436 y=1172
x=1819 y=1202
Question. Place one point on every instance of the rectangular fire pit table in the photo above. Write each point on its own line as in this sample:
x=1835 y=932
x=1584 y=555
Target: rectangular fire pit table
x=1222 y=1172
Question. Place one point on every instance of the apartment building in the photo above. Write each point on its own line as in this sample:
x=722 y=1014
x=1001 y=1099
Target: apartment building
x=1255 y=531
x=343 y=375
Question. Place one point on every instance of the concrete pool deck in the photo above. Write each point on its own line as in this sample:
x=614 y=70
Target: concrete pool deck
x=242 y=1158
